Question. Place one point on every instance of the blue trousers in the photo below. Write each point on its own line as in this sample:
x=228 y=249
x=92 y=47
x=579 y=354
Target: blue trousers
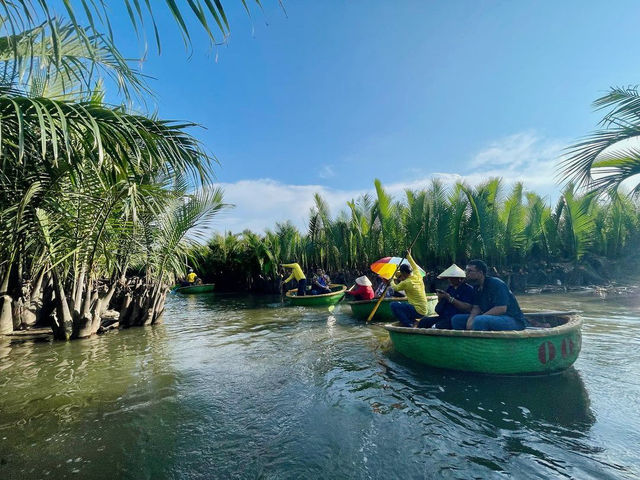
x=302 y=287
x=405 y=313
x=487 y=322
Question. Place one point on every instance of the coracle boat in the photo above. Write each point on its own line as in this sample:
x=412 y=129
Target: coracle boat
x=195 y=289
x=362 y=308
x=533 y=351
x=325 y=299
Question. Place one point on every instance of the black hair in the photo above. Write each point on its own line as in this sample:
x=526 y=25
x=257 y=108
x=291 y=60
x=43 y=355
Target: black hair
x=404 y=268
x=480 y=265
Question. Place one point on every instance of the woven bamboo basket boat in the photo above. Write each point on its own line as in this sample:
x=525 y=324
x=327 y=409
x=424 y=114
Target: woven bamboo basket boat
x=325 y=299
x=529 y=351
x=196 y=289
x=362 y=308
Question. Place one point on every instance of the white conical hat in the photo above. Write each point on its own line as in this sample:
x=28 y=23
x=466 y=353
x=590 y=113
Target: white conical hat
x=364 y=281
x=454 y=271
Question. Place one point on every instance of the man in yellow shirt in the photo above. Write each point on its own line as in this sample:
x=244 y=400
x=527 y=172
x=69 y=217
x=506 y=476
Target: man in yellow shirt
x=190 y=279
x=296 y=272
x=410 y=281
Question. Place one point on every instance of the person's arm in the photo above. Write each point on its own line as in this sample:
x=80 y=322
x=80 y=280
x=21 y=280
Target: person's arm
x=459 y=304
x=288 y=278
x=412 y=262
x=500 y=300
x=399 y=286
x=475 y=310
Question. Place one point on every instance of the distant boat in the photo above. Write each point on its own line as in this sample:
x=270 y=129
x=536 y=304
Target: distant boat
x=362 y=308
x=325 y=299
x=195 y=289
x=530 y=351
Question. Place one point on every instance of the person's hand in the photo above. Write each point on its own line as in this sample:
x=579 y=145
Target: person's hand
x=442 y=295
x=470 y=323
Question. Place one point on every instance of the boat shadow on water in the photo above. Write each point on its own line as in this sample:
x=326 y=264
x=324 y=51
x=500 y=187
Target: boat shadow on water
x=543 y=402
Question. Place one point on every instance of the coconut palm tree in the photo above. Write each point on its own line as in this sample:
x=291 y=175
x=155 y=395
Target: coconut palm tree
x=610 y=156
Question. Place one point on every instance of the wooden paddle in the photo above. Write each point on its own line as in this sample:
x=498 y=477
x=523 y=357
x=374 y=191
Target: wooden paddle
x=375 y=308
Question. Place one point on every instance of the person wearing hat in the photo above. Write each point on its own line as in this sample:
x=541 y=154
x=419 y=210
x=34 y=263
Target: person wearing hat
x=456 y=299
x=363 y=291
x=409 y=280
x=190 y=279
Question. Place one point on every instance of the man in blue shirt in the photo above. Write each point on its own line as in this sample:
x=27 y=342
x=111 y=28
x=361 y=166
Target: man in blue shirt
x=494 y=306
x=457 y=299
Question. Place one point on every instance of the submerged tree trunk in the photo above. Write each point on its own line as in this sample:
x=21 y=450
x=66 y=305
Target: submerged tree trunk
x=83 y=320
x=63 y=327
x=6 y=314
x=6 y=311
x=33 y=302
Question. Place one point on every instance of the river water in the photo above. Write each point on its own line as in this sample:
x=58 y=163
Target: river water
x=242 y=387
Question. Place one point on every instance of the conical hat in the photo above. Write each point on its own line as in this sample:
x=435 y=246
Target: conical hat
x=454 y=271
x=364 y=281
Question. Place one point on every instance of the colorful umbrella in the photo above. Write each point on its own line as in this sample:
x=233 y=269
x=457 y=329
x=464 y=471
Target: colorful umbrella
x=387 y=265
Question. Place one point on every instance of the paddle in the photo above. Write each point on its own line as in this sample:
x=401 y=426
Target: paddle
x=375 y=308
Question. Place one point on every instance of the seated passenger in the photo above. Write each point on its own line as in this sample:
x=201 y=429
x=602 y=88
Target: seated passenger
x=457 y=299
x=363 y=290
x=190 y=279
x=320 y=283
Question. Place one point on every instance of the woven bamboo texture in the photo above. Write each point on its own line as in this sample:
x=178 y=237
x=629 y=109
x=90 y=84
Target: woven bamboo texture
x=325 y=299
x=530 y=351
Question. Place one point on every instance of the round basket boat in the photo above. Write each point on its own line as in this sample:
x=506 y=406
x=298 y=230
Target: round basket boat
x=530 y=351
x=362 y=308
x=325 y=299
x=196 y=289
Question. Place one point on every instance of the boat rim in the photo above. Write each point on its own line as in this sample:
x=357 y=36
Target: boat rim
x=192 y=286
x=575 y=322
x=343 y=288
x=390 y=299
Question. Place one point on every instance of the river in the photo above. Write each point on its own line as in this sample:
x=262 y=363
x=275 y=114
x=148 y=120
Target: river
x=241 y=387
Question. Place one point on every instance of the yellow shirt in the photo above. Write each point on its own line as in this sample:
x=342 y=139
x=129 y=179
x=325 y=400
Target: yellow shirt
x=414 y=288
x=191 y=277
x=296 y=271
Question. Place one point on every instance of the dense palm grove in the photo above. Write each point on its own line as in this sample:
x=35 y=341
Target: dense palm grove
x=512 y=229
x=95 y=207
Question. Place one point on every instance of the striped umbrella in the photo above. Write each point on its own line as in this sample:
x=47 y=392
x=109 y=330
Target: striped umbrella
x=387 y=265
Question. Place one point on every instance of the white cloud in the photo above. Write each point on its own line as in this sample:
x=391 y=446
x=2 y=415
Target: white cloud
x=260 y=203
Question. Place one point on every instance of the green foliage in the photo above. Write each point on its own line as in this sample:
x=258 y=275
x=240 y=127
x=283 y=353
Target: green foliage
x=610 y=156
x=462 y=222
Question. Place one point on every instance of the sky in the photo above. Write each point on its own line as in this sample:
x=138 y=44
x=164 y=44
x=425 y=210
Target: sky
x=324 y=97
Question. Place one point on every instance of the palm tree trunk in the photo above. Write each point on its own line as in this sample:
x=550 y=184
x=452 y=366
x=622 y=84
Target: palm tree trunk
x=6 y=312
x=64 y=328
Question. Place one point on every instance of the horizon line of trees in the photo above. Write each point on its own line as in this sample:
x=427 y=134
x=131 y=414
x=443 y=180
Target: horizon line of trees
x=508 y=229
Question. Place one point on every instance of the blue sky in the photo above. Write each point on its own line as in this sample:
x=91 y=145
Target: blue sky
x=333 y=94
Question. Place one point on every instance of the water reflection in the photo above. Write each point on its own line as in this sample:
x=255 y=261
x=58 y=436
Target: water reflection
x=506 y=402
x=235 y=386
x=72 y=400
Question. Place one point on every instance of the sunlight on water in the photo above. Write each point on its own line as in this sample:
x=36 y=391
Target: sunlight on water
x=237 y=386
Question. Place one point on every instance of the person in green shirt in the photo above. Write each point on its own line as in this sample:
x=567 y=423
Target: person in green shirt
x=296 y=272
x=409 y=280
